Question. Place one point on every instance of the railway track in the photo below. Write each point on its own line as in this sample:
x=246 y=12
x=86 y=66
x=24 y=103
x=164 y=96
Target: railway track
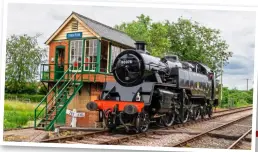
x=200 y=140
x=105 y=137
x=239 y=140
x=220 y=111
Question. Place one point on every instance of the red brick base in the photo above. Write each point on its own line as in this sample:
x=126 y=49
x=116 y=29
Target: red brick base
x=88 y=121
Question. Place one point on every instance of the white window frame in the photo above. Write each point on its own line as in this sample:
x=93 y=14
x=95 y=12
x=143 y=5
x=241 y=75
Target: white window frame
x=93 y=53
x=114 y=53
x=77 y=53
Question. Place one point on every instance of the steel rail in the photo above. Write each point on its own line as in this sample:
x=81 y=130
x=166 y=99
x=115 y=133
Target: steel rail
x=183 y=143
x=232 y=109
x=232 y=146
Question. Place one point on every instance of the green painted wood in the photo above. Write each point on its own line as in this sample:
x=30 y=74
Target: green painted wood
x=59 y=71
x=64 y=107
x=63 y=101
x=98 y=55
x=41 y=108
x=83 y=52
x=62 y=118
x=110 y=56
x=61 y=91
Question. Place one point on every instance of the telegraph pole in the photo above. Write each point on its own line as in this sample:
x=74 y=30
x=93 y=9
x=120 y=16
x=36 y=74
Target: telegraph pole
x=247 y=84
x=221 y=87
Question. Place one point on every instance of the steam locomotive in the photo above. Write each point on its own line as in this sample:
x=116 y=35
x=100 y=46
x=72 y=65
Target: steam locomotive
x=149 y=89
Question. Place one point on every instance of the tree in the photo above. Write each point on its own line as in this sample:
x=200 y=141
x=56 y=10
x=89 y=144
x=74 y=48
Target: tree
x=154 y=34
x=185 y=38
x=192 y=41
x=23 y=57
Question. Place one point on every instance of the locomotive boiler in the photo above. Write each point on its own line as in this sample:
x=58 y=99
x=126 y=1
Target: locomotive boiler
x=151 y=89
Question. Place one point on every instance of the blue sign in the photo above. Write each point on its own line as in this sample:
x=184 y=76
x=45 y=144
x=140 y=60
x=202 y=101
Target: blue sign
x=74 y=35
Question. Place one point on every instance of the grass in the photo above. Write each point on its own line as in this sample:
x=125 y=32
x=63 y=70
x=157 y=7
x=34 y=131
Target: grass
x=18 y=114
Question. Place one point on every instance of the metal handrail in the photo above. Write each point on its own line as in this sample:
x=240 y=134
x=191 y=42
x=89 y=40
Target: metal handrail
x=72 y=79
x=47 y=73
x=35 y=111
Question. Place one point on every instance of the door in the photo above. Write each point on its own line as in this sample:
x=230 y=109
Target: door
x=62 y=117
x=59 y=62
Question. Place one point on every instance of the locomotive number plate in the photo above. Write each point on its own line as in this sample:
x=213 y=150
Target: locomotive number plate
x=127 y=61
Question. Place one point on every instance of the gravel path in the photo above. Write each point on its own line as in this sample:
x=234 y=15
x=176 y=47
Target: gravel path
x=210 y=142
x=25 y=135
x=245 y=145
x=157 y=140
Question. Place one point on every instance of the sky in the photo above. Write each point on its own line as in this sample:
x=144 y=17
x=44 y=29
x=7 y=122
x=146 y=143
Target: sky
x=237 y=28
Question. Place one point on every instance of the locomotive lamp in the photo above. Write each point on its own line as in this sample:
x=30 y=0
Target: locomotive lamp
x=138 y=97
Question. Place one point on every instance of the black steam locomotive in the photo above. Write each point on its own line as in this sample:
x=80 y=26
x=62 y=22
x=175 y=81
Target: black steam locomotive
x=149 y=89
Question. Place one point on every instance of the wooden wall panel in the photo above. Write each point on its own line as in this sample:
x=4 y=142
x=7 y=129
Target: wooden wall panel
x=68 y=29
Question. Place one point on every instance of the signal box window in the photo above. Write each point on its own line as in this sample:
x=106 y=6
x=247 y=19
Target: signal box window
x=76 y=54
x=115 y=51
x=90 y=55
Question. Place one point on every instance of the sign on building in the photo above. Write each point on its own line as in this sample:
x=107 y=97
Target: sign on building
x=74 y=35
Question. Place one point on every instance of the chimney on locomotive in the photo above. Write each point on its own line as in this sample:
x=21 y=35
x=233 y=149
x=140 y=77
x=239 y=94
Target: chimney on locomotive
x=141 y=46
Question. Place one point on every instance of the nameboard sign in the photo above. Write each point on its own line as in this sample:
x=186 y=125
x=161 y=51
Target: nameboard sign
x=74 y=35
x=75 y=114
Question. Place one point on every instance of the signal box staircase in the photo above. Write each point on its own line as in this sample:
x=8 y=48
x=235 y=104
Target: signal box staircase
x=57 y=99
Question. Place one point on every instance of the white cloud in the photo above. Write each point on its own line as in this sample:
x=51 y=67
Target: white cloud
x=237 y=27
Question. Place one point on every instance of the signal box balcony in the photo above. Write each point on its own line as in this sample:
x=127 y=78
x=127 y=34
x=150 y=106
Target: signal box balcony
x=88 y=72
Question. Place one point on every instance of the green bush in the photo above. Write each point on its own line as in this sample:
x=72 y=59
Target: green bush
x=24 y=97
x=239 y=98
x=29 y=88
